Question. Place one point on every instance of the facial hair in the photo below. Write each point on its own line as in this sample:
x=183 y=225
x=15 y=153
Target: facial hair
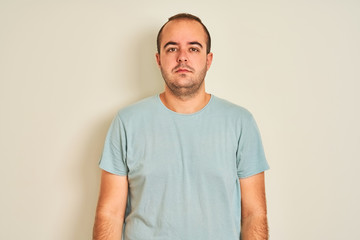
x=194 y=80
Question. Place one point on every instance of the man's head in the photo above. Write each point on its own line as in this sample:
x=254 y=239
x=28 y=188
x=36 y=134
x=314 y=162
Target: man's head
x=185 y=16
x=184 y=54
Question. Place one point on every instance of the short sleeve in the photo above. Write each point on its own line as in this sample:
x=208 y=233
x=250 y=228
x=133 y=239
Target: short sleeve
x=113 y=158
x=250 y=153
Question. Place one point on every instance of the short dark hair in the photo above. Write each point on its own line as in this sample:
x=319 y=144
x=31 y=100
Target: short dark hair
x=188 y=17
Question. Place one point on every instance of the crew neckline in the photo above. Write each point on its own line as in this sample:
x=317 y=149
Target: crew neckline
x=185 y=114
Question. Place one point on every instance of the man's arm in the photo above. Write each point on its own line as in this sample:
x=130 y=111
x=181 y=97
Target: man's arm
x=253 y=208
x=110 y=211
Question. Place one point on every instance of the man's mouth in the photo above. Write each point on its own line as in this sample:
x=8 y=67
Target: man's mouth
x=182 y=70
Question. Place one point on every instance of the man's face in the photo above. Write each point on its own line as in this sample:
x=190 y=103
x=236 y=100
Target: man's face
x=183 y=60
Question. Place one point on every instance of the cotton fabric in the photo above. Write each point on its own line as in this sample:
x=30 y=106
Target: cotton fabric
x=183 y=169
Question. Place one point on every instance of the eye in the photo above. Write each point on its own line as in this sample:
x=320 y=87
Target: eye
x=171 y=50
x=194 y=50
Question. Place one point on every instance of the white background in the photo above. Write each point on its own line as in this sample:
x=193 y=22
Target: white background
x=66 y=67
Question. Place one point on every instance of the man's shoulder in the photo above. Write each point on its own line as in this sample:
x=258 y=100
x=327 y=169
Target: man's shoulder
x=226 y=107
x=141 y=107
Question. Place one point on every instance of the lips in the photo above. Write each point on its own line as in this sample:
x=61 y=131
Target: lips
x=181 y=70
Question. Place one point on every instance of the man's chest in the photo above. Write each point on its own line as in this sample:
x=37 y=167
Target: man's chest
x=167 y=150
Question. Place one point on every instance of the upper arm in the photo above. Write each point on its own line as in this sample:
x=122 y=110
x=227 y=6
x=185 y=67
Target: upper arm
x=253 y=201
x=113 y=194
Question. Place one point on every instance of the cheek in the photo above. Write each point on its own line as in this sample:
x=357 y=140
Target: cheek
x=200 y=62
x=168 y=61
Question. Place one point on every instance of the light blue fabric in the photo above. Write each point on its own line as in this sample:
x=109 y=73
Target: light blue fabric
x=183 y=169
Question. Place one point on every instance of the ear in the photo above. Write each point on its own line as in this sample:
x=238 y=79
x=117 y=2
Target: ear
x=209 y=58
x=157 y=55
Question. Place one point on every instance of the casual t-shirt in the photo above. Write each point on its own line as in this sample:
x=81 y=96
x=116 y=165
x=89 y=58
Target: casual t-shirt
x=183 y=169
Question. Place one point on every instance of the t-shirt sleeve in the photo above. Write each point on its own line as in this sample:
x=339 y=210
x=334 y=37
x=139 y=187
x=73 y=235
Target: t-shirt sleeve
x=113 y=158
x=250 y=154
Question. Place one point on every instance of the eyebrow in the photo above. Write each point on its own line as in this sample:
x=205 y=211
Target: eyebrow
x=175 y=43
x=196 y=43
x=170 y=43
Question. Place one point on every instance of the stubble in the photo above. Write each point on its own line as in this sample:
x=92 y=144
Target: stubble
x=184 y=85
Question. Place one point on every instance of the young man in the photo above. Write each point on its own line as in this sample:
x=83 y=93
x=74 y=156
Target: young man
x=184 y=164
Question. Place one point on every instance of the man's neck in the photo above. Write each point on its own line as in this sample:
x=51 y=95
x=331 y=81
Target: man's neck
x=185 y=105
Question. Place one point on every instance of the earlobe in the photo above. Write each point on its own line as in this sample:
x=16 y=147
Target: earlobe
x=157 y=55
x=209 y=59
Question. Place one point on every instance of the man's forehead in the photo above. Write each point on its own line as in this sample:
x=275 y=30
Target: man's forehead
x=184 y=28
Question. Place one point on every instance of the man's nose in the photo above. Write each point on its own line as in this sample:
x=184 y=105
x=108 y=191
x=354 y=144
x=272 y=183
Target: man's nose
x=182 y=57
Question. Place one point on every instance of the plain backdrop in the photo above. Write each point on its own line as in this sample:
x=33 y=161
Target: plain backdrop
x=67 y=67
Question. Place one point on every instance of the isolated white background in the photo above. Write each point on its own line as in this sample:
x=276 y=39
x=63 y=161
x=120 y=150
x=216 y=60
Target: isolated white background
x=66 y=67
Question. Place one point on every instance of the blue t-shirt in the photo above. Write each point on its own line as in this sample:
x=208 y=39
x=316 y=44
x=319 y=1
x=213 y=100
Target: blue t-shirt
x=183 y=169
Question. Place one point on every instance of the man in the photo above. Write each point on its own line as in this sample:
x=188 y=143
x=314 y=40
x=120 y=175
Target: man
x=184 y=164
